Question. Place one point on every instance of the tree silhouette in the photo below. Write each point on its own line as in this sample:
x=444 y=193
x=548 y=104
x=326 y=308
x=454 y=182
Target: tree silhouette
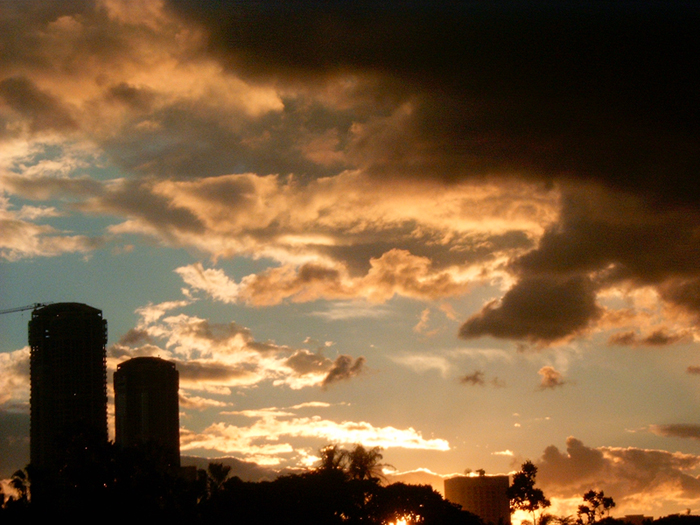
x=365 y=464
x=522 y=493
x=216 y=475
x=333 y=458
x=596 y=505
x=417 y=504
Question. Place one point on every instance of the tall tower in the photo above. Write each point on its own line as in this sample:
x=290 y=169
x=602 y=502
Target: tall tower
x=146 y=405
x=68 y=377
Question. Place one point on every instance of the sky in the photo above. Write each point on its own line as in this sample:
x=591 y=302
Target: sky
x=465 y=232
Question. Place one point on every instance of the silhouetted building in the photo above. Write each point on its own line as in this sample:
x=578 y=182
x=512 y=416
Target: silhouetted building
x=68 y=377
x=146 y=405
x=485 y=496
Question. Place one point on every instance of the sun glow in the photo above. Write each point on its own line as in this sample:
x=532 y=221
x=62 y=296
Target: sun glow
x=407 y=519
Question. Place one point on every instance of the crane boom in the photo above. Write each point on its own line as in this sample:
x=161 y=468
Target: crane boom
x=23 y=308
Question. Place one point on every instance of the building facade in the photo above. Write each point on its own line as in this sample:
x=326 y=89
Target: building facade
x=68 y=376
x=485 y=496
x=146 y=406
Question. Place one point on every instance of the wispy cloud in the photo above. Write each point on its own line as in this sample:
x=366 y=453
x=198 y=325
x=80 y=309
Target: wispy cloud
x=266 y=437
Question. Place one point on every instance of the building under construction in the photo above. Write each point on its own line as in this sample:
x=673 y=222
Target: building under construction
x=68 y=375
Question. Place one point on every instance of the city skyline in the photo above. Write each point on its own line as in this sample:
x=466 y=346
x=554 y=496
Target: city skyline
x=467 y=233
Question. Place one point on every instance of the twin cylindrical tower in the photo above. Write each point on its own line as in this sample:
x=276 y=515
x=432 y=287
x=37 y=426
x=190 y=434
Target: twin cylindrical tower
x=68 y=397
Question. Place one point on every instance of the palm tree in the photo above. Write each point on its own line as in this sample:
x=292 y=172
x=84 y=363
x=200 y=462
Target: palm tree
x=333 y=458
x=365 y=464
x=216 y=475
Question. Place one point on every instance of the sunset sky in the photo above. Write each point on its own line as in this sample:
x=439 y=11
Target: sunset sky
x=468 y=233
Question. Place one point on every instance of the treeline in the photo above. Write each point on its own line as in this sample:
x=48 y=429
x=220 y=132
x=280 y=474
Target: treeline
x=120 y=484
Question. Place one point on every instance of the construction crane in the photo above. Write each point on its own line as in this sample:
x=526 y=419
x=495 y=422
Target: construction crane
x=23 y=308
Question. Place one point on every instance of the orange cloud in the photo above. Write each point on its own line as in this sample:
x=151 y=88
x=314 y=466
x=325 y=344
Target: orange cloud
x=642 y=481
x=216 y=357
x=14 y=376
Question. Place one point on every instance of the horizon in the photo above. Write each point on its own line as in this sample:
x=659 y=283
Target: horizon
x=467 y=234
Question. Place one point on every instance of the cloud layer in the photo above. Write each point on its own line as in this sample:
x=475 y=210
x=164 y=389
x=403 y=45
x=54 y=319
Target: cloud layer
x=640 y=480
x=528 y=169
x=241 y=146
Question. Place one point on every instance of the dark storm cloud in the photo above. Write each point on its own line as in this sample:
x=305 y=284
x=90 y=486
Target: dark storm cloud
x=590 y=90
x=602 y=239
x=541 y=310
x=344 y=368
x=622 y=234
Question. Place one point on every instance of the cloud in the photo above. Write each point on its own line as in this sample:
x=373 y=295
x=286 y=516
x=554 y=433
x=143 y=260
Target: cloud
x=476 y=378
x=551 y=379
x=660 y=337
x=640 y=480
x=512 y=115
x=677 y=430
x=341 y=310
x=20 y=238
x=266 y=438
x=14 y=376
x=419 y=476
x=396 y=272
x=421 y=363
x=135 y=336
x=327 y=148
x=214 y=282
x=40 y=110
x=603 y=242
x=541 y=310
x=189 y=402
x=216 y=357
x=694 y=370
x=344 y=368
x=503 y=453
